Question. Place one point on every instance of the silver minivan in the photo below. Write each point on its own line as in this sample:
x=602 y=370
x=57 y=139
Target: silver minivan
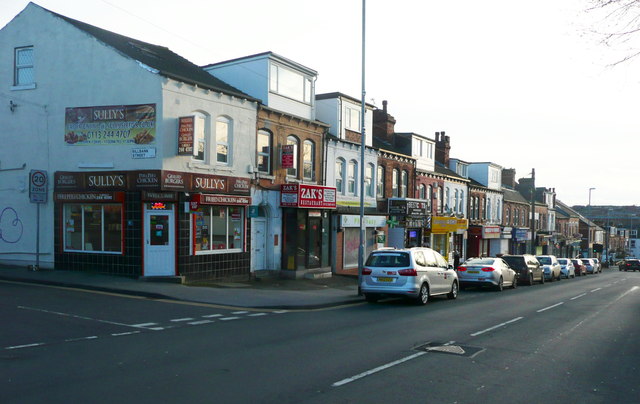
x=417 y=273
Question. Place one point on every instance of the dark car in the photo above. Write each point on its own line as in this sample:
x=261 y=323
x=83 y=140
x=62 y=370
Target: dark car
x=579 y=266
x=527 y=266
x=630 y=265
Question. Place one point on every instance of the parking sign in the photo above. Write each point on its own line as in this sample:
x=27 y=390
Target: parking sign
x=38 y=186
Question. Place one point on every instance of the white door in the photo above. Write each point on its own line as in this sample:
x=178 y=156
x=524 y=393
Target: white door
x=258 y=242
x=159 y=242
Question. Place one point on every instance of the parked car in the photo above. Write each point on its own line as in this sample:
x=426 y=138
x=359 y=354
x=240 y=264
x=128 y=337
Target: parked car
x=630 y=265
x=527 y=266
x=578 y=267
x=417 y=273
x=590 y=266
x=566 y=268
x=598 y=264
x=487 y=271
x=551 y=266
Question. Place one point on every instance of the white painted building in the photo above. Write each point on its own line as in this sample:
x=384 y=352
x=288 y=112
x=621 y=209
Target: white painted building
x=101 y=114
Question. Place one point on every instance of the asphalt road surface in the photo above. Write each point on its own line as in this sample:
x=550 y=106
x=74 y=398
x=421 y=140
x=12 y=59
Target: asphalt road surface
x=569 y=341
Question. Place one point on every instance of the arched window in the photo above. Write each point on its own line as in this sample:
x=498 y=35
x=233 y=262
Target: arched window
x=471 y=208
x=340 y=176
x=380 y=182
x=477 y=215
x=506 y=217
x=404 y=187
x=461 y=206
x=368 y=180
x=430 y=197
x=200 y=135
x=447 y=199
x=455 y=201
x=395 y=183
x=422 y=191
x=440 y=201
x=223 y=139
x=309 y=160
x=264 y=152
x=351 y=177
x=293 y=171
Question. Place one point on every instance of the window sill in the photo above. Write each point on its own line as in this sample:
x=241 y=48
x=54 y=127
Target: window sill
x=266 y=176
x=24 y=87
x=221 y=251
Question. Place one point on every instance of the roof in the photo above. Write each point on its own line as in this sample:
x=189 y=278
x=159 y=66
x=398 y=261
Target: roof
x=511 y=195
x=267 y=54
x=159 y=58
x=441 y=169
x=328 y=96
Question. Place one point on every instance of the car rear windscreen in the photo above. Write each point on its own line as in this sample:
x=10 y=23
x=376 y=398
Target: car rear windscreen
x=391 y=260
x=515 y=262
x=544 y=260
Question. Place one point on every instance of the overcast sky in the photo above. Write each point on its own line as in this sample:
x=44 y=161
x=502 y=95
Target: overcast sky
x=516 y=83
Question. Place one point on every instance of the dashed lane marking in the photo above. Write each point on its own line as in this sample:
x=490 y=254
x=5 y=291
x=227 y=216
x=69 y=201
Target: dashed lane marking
x=497 y=326
x=577 y=297
x=550 y=307
x=176 y=320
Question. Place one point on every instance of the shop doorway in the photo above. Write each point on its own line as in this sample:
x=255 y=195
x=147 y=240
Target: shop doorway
x=159 y=241
x=258 y=242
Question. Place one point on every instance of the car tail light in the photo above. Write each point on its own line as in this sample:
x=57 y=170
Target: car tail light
x=366 y=271
x=461 y=269
x=488 y=269
x=408 y=272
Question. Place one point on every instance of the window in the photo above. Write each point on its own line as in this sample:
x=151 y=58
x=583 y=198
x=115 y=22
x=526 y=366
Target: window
x=199 y=138
x=477 y=214
x=308 y=160
x=219 y=228
x=351 y=177
x=340 y=176
x=380 y=180
x=422 y=191
x=223 y=140
x=352 y=119
x=93 y=228
x=439 y=195
x=290 y=84
x=471 y=208
x=430 y=197
x=368 y=180
x=404 y=186
x=394 y=183
x=506 y=217
x=23 y=68
x=264 y=151
x=447 y=199
x=461 y=205
x=455 y=202
x=293 y=171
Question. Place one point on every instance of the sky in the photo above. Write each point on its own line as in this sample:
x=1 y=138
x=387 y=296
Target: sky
x=520 y=84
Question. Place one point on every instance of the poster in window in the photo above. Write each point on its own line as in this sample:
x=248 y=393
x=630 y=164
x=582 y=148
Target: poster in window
x=186 y=125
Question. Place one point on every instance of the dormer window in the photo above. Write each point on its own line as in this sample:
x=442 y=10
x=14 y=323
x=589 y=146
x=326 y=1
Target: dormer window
x=290 y=84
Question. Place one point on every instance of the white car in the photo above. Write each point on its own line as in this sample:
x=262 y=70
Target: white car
x=551 y=267
x=417 y=273
x=487 y=271
x=567 y=269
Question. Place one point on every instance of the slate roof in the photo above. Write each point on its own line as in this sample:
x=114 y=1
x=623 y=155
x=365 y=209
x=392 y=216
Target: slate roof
x=511 y=195
x=160 y=58
x=441 y=169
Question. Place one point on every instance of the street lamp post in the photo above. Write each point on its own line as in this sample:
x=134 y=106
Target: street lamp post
x=532 y=221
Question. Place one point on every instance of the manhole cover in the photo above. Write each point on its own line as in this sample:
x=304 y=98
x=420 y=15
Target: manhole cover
x=451 y=349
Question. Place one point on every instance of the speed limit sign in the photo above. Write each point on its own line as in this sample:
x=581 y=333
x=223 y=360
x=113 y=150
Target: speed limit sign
x=38 y=186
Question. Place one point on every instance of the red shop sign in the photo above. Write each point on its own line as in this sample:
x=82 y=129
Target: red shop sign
x=307 y=196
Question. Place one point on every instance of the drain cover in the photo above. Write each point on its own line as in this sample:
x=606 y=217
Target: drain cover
x=460 y=350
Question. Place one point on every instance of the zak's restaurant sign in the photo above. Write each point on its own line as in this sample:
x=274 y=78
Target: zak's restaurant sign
x=307 y=196
x=110 y=125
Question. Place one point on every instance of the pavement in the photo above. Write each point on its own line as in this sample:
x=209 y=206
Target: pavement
x=261 y=293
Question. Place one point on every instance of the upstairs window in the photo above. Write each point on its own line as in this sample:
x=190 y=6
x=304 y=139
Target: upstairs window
x=199 y=138
x=422 y=191
x=368 y=180
x=23 y=68
x=293 y=171
x=404 y=185
x=340 y=176
x=351 y=177
x=290 y=84
x=223 y=140
x=380 y=182
x=352 y=119
x=308 y=160
x=264 y=152
x=395 y=183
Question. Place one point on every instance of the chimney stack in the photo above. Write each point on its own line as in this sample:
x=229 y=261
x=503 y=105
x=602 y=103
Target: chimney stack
x=509 y=177
x=383 y=124
x=443 y=147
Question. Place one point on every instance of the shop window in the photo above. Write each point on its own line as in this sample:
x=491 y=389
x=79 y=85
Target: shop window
x=219 y=228
x=351 y=242
x=93 y=228
x=264 y=152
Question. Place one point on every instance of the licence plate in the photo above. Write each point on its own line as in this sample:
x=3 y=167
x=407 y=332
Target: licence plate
x=384 y=279
x=474 y=272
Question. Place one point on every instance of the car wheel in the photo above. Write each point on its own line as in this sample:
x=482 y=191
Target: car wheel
x=551 y=278
x=514 y=283
x=500 y=286
x=423 y=294
x=542 y=280
x=454 y=291
x=371 y=298
x=530 y=279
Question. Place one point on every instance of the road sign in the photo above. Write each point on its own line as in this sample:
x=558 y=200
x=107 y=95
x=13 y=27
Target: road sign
x=38 y=186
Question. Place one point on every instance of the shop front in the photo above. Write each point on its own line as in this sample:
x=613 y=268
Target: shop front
x=348 y=240
x=408 y=219
x=448 y=235
x=305 y=227
x=520 y=238
x=480 y=239
x=151 y=223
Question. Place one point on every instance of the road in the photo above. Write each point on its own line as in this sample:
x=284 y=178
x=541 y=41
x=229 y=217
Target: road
x=568 y=341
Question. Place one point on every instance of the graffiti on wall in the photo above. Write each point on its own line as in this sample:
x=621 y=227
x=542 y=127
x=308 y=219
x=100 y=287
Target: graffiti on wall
x=10 y=226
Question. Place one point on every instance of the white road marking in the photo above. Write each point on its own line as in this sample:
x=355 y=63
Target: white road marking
x=142 y=325
x=595 y=290
x=157 y=328
x=212 y=315
x=24 y=346
x=80 y=339
x=497 y=326
x=200 y=322
x=550 y=307
x=281 y=311
x=182 y=319
x=240 y=312
x=73 y=316
x=229 y=318
x=120 y=334
x=257 y=314
x=577 y=297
